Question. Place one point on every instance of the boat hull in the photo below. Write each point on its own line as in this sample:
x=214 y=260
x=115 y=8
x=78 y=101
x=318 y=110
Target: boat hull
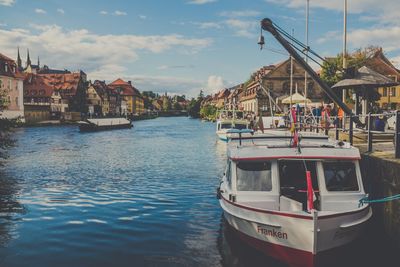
x=291 y=238
x=95 y=128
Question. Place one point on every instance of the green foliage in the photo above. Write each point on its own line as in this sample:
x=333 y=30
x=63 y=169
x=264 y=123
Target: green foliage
x=194 y=107
x=166 y=104
x=176 y=106
x=6 y=127
x=208 y=112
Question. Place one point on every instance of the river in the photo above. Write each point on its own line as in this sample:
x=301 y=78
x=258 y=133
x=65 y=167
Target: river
x=136 y=197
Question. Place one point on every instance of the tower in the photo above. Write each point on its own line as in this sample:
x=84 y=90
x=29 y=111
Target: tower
x=19 y=61
x=38 y=62
x=28 y=60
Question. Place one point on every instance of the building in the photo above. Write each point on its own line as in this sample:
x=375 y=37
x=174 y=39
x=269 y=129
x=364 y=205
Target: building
x=71 y=87
x=390 y=97
x=222 y=98
x=37 y=98
x=276 y=80
x=130 y=95
x=11 y=89
x=96 y=100
x=234 y=98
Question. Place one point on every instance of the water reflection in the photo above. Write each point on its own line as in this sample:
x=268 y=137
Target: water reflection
x=10 y=209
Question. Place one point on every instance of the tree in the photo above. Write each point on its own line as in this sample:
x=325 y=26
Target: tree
x=177 y=106
x=194 y=107
x=166 y=103
x=6 y=127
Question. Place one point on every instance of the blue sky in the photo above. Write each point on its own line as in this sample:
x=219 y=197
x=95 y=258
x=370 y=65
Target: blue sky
x=182 y=46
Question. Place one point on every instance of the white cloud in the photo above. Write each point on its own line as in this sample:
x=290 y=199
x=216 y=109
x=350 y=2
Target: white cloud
x=208 y=25
x=214 y=84
x=103 y=12
x=40 y=11
x=242 y=28
x=242 y=13
x=94 y=53
x=61 y=11
x=381 y=11
x=167 y=67
x=142 y=17
x=7 y=2
x=200 y=2
x=120 y=13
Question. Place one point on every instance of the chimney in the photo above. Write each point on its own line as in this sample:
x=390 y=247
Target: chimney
x=130 y=83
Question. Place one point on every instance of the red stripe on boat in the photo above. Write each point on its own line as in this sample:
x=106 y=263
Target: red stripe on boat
x=309 y=217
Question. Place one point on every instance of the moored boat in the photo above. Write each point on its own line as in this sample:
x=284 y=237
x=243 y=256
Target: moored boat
x=293 y=203
x=229 y=120
x=92 y=125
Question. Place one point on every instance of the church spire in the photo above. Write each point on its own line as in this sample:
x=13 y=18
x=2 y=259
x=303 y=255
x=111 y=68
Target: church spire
x=28 y=60
x=19 y=61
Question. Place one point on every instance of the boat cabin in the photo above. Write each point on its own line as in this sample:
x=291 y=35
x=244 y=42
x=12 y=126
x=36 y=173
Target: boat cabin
x=267 y=173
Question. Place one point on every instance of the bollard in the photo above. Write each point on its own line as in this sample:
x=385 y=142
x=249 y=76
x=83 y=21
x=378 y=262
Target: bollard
x=351 y=130
x=397 y=135
x=369 y=133
x=337 y=133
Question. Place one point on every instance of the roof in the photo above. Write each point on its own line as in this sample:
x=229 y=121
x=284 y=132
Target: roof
x=62 y=82
x=365 y=77
x=5 y=58
x=127 y=89
x=36 y=86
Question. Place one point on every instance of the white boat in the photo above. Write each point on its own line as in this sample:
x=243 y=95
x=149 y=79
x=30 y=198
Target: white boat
x=269 y=202
x=228 y=120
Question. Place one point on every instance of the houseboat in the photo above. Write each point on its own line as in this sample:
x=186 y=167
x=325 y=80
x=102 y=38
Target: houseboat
x=293 y=202
x=228 y=120
x=93 y=125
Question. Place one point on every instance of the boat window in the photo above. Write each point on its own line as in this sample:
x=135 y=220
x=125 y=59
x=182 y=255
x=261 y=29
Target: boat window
x=228 y=173
x=253 y=176
x=240 y=126
x=340 y=176
x=293 y=180
x=226 y=126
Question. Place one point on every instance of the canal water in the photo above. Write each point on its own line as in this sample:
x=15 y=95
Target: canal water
x=136 y=197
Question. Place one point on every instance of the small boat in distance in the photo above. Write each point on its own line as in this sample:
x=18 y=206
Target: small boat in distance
x=228 y=120
x=293 y=203
x=93 y=125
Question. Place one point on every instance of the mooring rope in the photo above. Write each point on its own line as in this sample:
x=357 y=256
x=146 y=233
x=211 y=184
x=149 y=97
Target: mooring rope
x=365 y=200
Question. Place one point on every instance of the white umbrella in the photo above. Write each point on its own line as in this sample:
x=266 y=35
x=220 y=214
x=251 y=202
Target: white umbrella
x=296 y=98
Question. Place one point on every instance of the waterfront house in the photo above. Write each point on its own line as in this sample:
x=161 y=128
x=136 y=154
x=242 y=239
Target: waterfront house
x=130 y=95
x=233 y=99
x=72 y=88
x=11 y=88
x=110 y=102
x=390 y=96
x=37 y=98
x=276 y=80
x=222 y=98
x=96 y=100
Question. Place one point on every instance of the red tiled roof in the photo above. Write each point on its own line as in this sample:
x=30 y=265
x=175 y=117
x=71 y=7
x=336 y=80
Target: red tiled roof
x=127 y=89
x=67 y=81
x=36 y=86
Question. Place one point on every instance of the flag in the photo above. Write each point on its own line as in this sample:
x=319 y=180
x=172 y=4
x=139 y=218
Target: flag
x=310 y=192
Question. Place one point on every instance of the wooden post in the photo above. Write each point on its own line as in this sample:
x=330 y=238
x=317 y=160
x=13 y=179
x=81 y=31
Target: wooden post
x=397 y=135
x=337 y=132
x=317 y=124
x=369 y=132
x=351 y=130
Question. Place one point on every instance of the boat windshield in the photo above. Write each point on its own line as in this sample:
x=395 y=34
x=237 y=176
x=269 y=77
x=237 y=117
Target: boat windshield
x=226 y=126
x=253 y=176
x=340 y=176
x=240 y=126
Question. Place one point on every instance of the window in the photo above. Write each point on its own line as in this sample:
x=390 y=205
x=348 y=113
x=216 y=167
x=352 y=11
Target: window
x=253 y=176
x=226 y=126
x=16 y=101
x=228 y=173
x=340 y=176
x=393 y=91
x=384 y=93
x=293 y=176
x=9 y=83
x=240 y=126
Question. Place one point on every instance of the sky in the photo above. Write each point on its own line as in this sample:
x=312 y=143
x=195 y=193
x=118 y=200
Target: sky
x=182 y=46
